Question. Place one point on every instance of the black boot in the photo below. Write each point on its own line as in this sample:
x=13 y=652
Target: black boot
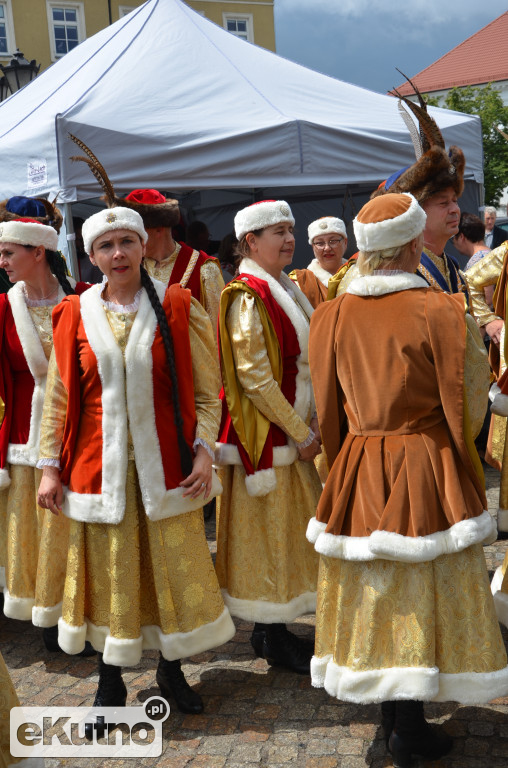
x=50 y=639
x=387 y=719
x=172 y=683
x=282 y=648
x=258 y=637
x=413 y=735
x=111 y=692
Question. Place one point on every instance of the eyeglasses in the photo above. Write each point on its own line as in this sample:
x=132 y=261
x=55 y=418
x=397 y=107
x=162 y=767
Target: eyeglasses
x=331 y=243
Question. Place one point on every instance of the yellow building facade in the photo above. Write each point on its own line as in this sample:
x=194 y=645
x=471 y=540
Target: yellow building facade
x=45 y=30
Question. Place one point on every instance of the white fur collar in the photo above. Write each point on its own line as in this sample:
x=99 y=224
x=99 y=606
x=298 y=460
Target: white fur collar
x=33 y=351
x=127 y=402
x=379 y=285
x=27 y=333
x=299 y=314
x=284 y=300
x=322 y=275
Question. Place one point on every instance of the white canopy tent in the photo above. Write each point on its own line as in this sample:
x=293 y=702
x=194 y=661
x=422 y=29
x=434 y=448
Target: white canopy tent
x=167 y=99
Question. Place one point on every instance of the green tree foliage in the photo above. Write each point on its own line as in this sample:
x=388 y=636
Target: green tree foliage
x=486 y=102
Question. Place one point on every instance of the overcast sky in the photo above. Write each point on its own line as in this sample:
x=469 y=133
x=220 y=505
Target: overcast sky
x=362 y=41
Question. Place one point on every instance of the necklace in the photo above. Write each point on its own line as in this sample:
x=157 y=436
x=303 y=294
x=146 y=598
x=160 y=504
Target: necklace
x=40 y=298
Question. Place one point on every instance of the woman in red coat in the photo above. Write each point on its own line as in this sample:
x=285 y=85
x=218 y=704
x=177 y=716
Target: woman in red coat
x=32 y=543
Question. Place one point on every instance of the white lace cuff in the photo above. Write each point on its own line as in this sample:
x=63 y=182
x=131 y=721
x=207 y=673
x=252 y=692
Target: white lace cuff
x=48 y=463
x=308 y=440
x=200 y=441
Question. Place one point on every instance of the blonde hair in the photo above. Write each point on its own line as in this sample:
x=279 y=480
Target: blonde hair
x=368 y=261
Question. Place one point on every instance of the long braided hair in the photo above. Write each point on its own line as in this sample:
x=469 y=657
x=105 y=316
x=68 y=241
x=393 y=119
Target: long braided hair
x=57 y=267
x=167 y=338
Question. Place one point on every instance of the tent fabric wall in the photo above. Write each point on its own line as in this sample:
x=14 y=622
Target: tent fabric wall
x=168 y=99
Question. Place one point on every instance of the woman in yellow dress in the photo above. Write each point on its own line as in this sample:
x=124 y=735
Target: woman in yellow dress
x=266 y=568
x=405 y=613
x=32 y=543
x=129 y=426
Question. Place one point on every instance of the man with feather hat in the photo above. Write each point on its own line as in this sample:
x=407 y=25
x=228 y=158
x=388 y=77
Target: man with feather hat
x=165 y=260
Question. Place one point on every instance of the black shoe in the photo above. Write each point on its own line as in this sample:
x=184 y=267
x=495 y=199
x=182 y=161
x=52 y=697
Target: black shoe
x=111 y=692
x=387 y=719
x=413 y=735
x=282 y=648
x=172 y=684
x=50 y=639
x=502 y=535
x=257 y=638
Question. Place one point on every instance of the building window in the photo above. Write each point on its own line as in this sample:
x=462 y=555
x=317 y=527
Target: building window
x=66 y=27
x=7 y=46
x=239 y=24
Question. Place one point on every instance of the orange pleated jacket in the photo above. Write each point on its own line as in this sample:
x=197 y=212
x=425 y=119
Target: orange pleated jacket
x=387 y=367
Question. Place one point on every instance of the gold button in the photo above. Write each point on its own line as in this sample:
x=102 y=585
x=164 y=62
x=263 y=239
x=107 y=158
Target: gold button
x=122 y=318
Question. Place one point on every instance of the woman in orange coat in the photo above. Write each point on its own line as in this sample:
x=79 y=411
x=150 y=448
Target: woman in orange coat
x=404 y=610
x=129 y=427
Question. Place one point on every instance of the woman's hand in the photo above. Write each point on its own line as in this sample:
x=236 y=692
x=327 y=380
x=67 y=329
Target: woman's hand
x=494 y=329
x=314 y=425
x=310 y=452
x=50 y=494
x=200 y=479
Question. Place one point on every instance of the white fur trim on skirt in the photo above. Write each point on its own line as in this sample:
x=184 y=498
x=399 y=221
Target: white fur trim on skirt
x=127 y=653
x=407 y=683
x=270 y=613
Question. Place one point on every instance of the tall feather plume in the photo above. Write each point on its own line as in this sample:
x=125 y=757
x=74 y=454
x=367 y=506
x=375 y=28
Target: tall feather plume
x=413 y=131
x=431 y=134
x=96 y=168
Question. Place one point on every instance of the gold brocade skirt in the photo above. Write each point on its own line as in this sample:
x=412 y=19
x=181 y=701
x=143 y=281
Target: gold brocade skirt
x=266 y=567
x=142 y=584
x=427 y=631
x=33 y=551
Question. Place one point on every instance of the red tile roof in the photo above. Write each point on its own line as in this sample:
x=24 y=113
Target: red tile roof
x=482 y=58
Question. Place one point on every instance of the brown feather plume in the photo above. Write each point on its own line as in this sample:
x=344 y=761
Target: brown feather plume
x=96 y=168
x=431 y=135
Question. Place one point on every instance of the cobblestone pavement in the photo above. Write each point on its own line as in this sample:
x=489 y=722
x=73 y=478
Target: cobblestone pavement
x=254 y=714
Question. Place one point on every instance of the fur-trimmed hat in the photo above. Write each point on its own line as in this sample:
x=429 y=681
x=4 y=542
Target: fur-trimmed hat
x=34 y=208
x=155 y=209
x=435 y=169
x=326 y=225
x=109 y=219
x=388 y=221
x=261 y=215
x=29 y=232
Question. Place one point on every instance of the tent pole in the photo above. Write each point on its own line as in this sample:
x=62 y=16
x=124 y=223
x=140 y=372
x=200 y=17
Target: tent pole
x=71 y=242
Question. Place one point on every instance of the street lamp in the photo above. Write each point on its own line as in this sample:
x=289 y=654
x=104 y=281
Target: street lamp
x=16 y=74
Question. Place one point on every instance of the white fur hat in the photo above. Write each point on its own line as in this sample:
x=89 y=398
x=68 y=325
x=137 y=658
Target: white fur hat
x=388 y=221
x=28 y=232
x=326 y=226
x=261 y=215
x=109 y=219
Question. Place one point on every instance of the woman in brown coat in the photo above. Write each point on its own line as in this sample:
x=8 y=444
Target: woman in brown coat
x=404 y=608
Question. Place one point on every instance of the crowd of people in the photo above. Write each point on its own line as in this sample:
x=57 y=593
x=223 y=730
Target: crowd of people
x=333 y=417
